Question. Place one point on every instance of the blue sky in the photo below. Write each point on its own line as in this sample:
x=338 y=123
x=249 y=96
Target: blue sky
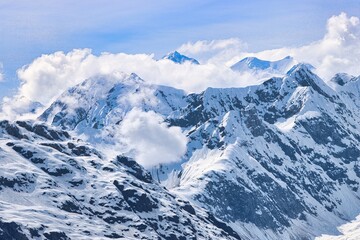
x=31 y=28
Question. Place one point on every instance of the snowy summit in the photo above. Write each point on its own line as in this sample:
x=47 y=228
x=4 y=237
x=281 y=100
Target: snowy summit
x=256 y=64
x=176 y=57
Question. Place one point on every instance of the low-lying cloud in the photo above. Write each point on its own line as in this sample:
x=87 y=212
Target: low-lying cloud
x=150 y=140
x=218 y=52
x=19 y=107
x=48 y=76
x=338 y=51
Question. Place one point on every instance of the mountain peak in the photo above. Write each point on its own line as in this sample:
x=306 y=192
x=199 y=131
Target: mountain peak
x=303 y=74
x=177 y=57
x=254 y=63
x=342 y=78
x=306 y=67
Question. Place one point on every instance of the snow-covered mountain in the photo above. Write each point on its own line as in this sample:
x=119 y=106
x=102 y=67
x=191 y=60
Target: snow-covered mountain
x=279 y=160
x=177 y=57
x=103 y=101
x=258 y=65
x=54 y=186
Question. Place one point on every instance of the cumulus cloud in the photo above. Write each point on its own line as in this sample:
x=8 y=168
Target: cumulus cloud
x=150 y=140
x=337 y=51
x=48 y=76
x=19 y=107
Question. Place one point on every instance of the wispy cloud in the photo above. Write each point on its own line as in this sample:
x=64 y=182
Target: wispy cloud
x=214 y=51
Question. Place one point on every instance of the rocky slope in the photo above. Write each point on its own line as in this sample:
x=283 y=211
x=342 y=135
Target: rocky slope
x=54 y=186
x=281 y=157
x=276 y=160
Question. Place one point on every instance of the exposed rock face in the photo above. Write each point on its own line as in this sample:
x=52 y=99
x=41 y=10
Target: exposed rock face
x=278 y=160
x=53 y=186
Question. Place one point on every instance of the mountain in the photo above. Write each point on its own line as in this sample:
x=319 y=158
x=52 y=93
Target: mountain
x=55 y=186
x=176 y=57
x=342 y=79
x=276 y=160
x=104 y=101
x=256 y=64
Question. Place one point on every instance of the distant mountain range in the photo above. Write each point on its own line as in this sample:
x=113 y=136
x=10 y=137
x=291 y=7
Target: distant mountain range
x=256 y=64
x=278 y=160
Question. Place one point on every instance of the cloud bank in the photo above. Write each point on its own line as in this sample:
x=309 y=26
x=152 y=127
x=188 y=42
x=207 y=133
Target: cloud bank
x=150 y=140
x=48 y=76
x=338 y=51
x=218 y=52
x=19 y=107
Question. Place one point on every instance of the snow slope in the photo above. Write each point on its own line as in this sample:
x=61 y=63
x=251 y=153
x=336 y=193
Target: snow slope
x=279 y=160
x=348 y=231
x=54 y=186
x=177 y=57
x=258 y=65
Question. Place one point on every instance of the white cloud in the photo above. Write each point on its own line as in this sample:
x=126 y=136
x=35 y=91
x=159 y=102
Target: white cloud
x=48 y=76
x=150 y=139
x=19 y=107
x=338 y=51
x=143 y=96
x=215 y=51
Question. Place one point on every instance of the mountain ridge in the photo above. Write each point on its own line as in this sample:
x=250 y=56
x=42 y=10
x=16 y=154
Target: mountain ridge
x=54 y=186
x=255 y=64
x=274 y=160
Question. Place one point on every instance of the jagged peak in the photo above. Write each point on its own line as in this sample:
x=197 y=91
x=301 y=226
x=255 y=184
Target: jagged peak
x=305 y=67
x=177 y=57
x=303 y=75
x=342 y=79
